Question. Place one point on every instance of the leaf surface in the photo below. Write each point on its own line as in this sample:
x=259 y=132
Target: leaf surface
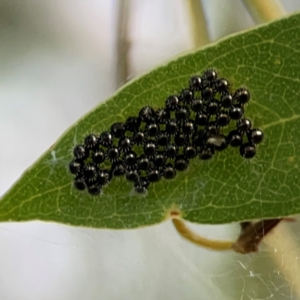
x=227 y=188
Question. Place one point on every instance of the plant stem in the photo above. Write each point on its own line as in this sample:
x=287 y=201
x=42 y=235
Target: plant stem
x=197 y=24
x=285 y=253
x=122 y=42
x=264 y=10
x=187 y=234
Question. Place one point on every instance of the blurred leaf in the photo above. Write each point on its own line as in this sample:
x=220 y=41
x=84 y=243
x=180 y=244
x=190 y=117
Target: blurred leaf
x=227 y=188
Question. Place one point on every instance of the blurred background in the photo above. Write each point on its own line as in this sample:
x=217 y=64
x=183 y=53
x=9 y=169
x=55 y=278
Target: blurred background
x=58 y=60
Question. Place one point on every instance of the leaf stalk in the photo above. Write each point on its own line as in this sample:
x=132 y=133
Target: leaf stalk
x=189 y=235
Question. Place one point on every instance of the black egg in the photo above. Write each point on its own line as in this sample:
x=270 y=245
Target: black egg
x=172 y=102
x=190 y=152
x=256 y=136
x=150 y=148
x=144 y=163
x=103 y=178
x=247 y=150
x=212 y=128
x=196 y=105
x=236 y=113
x=153 y=176
x=132 y=124
x=182 y=113
x=223 y=119
x=196 y=83
x=180 y=163
x=186 y=96
x=132 y=175
x=226 y=101
x=118 y=169
x=139 y=138
x=171 y=127
x=79 y=184
x=98 y=157
x=162 y=115
x=222 y=85
x=152 y=129
x=188 y=128
x=242 y=96
x=105 y=139
x=124 y=144
x=244 y=125
x=80 y=152
x=91 y=181
x=210 y=75
x=201 y=119
x=74 y=167
x=165 y=145
x=207 y=93
x=162 y=139
x=159 y=160
x=234 y=138
x=141 y=186
x=90 y=172
x=169 y=172
x=180 y=139
x=130 y=159
x=94 y=190
x=200 y=138
x=113 y=154
x=147 y=114
x=206 y=153
x=91 y=141
x=212 y=107
x=170 y=151
x=117 y=129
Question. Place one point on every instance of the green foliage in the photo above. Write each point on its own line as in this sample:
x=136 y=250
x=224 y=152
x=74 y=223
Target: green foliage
x=225 y=189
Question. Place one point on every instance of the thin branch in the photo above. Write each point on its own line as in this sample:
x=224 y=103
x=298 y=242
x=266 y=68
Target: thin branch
x=198 y=27
x=187 y=234
x=122 y=42
x=264 y=10
x=252 y=235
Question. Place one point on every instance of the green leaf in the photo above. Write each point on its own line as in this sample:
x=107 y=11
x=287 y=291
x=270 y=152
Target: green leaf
x=227 y=188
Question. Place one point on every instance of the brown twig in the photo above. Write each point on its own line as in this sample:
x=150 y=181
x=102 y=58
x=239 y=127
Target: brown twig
x=252 y=235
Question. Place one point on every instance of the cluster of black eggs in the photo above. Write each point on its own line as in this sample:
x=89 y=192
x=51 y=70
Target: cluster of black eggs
x=158 y=143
